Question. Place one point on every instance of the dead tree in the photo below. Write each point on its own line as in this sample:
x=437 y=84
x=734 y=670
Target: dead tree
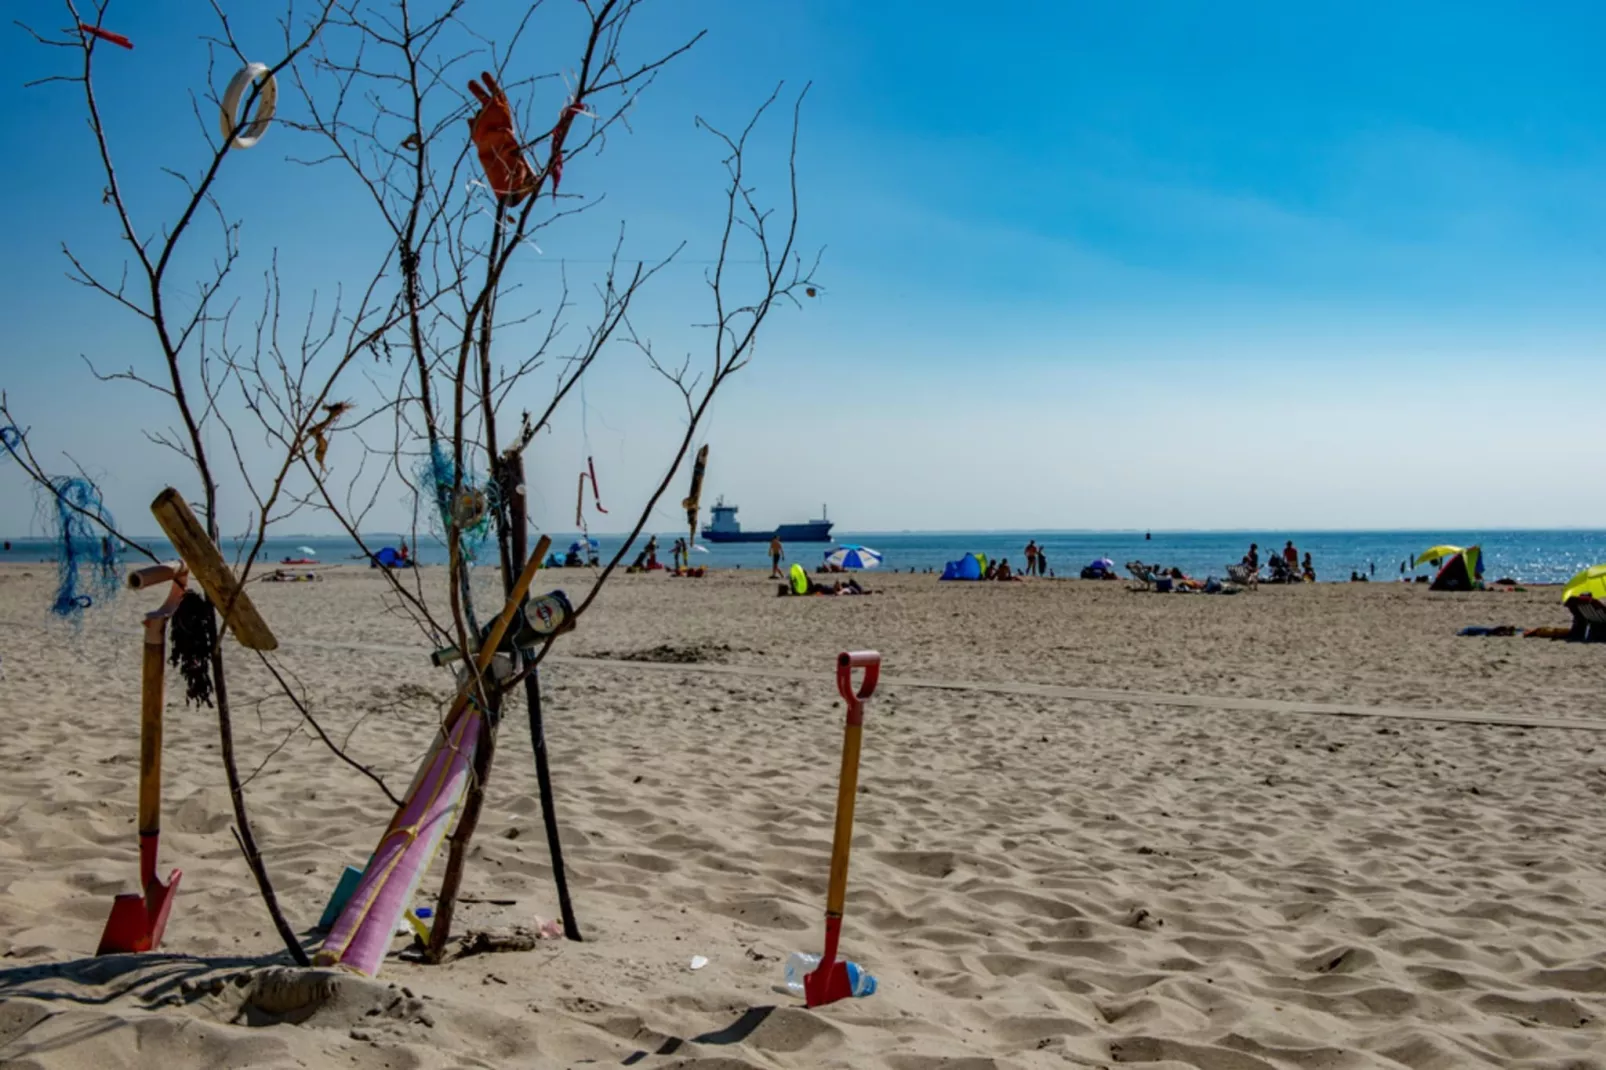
x=382 y=87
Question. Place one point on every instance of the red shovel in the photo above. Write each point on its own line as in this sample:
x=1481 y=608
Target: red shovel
x=829 y=980
x=138 y=920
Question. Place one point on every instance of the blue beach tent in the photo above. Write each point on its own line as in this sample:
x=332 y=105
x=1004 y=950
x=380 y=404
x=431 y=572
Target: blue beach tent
x=969 y=567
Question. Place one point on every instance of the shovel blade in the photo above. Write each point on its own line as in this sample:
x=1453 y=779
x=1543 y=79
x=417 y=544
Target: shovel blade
x=128 y=928
x=828 y=983
x=158 y=903
x=138 y=921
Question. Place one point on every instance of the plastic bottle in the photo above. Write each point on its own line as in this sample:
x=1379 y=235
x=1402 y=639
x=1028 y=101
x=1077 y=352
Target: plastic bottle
x=860 y=980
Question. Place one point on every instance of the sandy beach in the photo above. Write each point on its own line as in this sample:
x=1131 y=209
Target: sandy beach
x=1298 y=828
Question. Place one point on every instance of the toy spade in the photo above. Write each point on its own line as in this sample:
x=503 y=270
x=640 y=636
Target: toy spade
x=829 y=980
x=138 y=919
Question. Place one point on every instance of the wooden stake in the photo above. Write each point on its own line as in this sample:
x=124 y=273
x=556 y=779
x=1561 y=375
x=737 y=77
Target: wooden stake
x=206 y=564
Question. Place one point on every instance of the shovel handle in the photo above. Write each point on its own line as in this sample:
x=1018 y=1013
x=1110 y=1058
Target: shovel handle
x=847 y=786
x=152 y=679
x=846 y=662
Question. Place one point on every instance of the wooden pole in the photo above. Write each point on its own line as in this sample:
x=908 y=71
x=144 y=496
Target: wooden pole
x=513 y=475
x=201 y=554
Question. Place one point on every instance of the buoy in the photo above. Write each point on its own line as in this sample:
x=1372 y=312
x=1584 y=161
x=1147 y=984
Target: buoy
x=250 y=133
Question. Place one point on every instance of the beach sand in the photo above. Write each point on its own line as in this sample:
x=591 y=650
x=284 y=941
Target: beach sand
x=1096 y=829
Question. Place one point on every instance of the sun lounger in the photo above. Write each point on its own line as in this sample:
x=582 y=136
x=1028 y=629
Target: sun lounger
x=1143 y=574
x=1243 y=575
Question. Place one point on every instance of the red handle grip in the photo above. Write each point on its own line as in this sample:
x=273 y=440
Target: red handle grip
x=846 y=662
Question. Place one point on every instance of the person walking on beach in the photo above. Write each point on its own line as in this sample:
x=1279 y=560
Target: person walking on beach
x=777 y=555
x=1031 y=557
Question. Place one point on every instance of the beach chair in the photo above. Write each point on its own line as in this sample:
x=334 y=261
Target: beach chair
x=1243 y=575
x=1143 y=574
x=1589 y=620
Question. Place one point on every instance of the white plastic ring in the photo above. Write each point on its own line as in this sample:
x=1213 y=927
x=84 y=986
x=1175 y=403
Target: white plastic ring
x=250 y=133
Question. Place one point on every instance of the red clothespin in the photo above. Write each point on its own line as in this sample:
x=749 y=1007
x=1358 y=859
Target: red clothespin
x=106 y=35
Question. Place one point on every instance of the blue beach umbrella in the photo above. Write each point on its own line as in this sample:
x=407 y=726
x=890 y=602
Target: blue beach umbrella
x=854 y=557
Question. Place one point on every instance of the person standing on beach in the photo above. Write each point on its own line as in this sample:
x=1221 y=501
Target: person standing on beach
x=1031 y=557
x=1291 y=556
x=777 y=555
x=1252 y=558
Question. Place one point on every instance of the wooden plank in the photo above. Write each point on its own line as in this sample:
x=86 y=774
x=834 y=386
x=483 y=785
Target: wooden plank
x=206 y=564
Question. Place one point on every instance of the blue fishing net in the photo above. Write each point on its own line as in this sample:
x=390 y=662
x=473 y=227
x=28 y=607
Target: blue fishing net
x=469 y=508
x=87 y=558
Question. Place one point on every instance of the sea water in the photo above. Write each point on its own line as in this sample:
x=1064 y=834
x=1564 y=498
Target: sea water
x=1548 y=556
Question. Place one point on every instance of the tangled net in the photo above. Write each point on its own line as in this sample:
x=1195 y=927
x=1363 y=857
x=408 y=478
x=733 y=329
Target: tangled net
x=81 y=521
x=81 y=546
x=468 y=508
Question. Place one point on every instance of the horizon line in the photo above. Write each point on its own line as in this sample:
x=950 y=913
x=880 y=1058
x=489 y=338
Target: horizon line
x=154 y=536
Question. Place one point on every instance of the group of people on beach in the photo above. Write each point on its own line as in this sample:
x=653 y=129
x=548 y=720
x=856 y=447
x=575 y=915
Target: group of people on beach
x=1036 y=562
x=1283 y=568
x=1000 y=570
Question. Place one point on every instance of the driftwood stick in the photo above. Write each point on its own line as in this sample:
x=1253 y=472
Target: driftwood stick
x=513 y=478
x=206 y=564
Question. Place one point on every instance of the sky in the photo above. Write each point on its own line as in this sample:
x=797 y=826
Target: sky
x=1168 y=266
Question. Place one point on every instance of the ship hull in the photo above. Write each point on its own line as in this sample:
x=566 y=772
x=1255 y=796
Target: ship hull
x=786 y=533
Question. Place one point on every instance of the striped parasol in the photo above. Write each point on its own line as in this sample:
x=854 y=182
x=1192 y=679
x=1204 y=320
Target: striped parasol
x=854 y=557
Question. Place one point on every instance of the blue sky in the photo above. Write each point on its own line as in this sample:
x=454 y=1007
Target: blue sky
x=1171 y=265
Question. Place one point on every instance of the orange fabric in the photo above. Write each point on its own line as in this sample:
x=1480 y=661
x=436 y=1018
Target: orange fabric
x=498 y=143
x=559 y=132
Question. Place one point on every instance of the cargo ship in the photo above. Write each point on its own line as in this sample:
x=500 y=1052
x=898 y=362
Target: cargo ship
x=726 y=528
